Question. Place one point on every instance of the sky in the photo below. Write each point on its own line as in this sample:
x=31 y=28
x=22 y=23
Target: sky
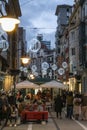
x=38 y=17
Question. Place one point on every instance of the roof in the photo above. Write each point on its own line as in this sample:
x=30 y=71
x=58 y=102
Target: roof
x=62 y=6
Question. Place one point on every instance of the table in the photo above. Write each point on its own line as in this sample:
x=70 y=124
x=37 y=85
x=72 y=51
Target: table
x=34 y=116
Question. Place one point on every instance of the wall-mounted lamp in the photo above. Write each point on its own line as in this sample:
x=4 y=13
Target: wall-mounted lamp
x=8 y=23
x=8 y=20
x=25 y=60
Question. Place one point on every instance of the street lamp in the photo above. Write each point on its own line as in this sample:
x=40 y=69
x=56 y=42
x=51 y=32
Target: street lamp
x=23 y=69
x=8 y=22
x=25 y=60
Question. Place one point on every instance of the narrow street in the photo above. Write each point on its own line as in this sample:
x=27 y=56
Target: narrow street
x=52 y=124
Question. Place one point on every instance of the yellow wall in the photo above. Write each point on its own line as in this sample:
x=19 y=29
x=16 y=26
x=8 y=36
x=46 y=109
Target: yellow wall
x=8 y=82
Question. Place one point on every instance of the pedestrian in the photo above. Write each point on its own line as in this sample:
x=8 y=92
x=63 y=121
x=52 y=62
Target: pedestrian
x=77 y=106
x=84 y=106
x=69 y=104
x=58 y=106
x=14 y=115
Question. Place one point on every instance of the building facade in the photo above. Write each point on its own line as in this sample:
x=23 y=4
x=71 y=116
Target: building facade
x=75 y=41
x=43 y=55
x=63 y=13
x=11 y=8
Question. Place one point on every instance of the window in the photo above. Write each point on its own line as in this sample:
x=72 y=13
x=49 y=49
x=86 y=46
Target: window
x=68 y=13
x=73 y=51
x=73 y=35
x=86 y=9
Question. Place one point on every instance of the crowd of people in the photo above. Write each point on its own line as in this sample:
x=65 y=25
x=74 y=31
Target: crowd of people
x=12 y=105
x=75 y=105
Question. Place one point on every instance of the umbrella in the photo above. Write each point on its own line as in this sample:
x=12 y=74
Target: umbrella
x=54 y=84
x=26 y=84
x=40 y=80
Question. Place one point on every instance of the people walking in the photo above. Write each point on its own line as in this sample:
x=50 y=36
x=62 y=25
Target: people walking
x=58 y=106
x=84 y=107
x=69 y=105
x=77 y=106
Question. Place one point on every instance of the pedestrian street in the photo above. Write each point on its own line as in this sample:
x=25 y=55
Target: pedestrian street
x=52 y=124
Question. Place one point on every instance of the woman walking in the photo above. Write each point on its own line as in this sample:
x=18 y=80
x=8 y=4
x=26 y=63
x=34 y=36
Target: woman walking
x=58 y=106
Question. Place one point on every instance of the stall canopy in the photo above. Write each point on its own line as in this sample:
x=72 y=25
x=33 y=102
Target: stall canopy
x=40 y=80
x=54 y=84
x=26 y=84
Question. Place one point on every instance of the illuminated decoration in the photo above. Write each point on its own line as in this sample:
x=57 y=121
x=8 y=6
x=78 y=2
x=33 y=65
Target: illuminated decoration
x=25 y=60
x=61 y=71
x=54 y=67
x=34 y=68
x=4 y=45
x=44 y=72
x=25 y=69
x=2 y=32
x=21 y=68
x=35 y=73
x=45 y=65
x=35 y=45
x=31 y=76
x=64 y=65
x=50 y=74
x=8 y=24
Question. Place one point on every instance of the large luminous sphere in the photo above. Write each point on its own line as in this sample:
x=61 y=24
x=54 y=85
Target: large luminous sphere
x=35 y=45
x=8 y=24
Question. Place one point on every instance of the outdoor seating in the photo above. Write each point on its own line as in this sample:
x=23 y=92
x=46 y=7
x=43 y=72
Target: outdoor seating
x=34 y=116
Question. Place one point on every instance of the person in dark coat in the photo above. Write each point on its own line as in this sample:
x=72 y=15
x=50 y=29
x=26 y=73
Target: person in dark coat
x=58 y=106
